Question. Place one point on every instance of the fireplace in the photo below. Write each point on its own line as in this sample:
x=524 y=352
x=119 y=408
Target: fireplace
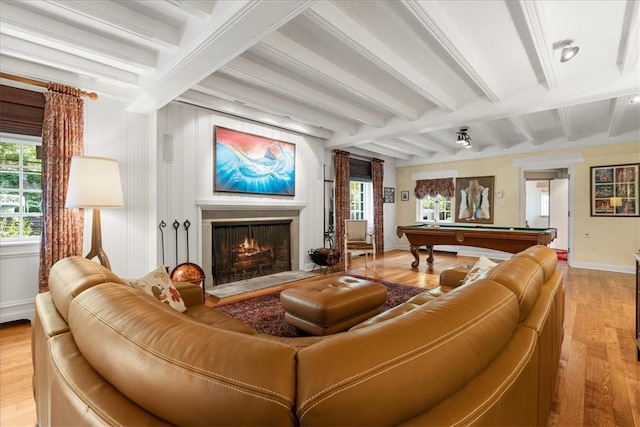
x=244 y=244
x=247 y=249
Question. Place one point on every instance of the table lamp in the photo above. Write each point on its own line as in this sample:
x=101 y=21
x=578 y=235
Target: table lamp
x=94 y=182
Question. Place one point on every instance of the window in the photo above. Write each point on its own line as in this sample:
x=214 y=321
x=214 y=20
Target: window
x=544 y=204
x=361 y=200
x=435 y=209
x=356 y=204
x=20 y=187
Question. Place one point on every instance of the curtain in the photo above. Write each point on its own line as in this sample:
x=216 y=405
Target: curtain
x=432 y=187
x=377 y=172
x=62 y=132
x=342 y=194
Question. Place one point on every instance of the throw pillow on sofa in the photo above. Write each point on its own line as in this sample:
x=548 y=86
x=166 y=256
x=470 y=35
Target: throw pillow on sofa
x=482 y=266
x=158 y=284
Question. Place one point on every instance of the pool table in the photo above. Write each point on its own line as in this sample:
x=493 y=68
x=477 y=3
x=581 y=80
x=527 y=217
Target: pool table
x=507 y=239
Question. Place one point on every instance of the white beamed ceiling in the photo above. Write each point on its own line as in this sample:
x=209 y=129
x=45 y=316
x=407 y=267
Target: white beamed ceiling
x=391 y=79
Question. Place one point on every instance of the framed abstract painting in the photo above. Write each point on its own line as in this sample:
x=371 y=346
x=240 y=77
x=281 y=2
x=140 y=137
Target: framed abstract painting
x=246 y=163
x=614 y=190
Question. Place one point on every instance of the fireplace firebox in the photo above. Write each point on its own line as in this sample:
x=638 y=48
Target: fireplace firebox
x=247 y=249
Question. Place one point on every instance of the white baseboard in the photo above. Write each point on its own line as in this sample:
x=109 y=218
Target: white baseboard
x=17 y=310
x=489 y=253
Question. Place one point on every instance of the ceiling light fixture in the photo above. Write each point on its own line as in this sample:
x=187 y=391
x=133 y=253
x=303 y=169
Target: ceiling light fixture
x=568 y=50
x=463 y=137
x=635 y=99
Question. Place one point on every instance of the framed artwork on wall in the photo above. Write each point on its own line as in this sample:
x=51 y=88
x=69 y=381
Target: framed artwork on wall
x=404 y=196
x=246 y=163
x=614 y=190
x=474 y=200
x=389 y=194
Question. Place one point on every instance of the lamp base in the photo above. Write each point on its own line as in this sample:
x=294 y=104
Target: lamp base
x=96 y=241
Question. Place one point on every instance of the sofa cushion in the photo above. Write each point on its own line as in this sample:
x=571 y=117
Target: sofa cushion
x=478 y=270
x=523 y=277
x=73 y=275
x=407 y=365
x=158 y=284
x=543 y=256
x=199 y=375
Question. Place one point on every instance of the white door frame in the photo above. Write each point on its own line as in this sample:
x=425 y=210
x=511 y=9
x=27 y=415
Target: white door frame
x=566 y=161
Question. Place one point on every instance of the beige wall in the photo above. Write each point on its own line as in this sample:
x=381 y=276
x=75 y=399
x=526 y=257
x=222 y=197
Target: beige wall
x=612 y=240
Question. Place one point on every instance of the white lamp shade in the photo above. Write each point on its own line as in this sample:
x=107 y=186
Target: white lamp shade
x=94 y=182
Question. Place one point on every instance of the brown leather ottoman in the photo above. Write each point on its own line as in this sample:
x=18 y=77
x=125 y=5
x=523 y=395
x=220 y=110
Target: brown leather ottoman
x=332 y=305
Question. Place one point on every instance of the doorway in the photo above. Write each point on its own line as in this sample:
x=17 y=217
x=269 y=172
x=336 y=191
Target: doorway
x=547 y=202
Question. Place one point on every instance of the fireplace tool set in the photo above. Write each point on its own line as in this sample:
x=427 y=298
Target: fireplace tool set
x=186 y=271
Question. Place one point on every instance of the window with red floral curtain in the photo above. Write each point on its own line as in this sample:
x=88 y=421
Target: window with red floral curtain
x=432 y=187
x=62 y=132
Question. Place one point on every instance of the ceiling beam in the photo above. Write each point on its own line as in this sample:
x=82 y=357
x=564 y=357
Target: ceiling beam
x=428 y=143
x=435 y=21
x=247 y=113
x=39 y=29
x=407 y=147
x=290 y=52
x=533 y=17
x=113 y=16
x=255 y=98
x=385 y=151
x=232 y=29
x=631 y=45
x=531 y=100
x=566 y=118
x=16 y=48
x=244 y=69
x=493 y=137
x=620 y=104
x=522 y=128
x=330 y=17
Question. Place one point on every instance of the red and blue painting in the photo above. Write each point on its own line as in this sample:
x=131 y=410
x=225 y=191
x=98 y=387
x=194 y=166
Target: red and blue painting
x=246 y=163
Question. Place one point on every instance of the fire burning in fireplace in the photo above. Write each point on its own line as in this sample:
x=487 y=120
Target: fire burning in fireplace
x=250 y=254
x=246 y=250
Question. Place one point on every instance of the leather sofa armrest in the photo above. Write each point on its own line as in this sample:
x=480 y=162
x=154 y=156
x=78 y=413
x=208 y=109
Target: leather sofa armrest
x=191 y=294
x=454 y=276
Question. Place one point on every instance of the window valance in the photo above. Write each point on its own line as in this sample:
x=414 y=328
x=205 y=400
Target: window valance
x=432 y=187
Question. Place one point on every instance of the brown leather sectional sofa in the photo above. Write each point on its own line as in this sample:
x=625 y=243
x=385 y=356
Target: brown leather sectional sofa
x=485 y=353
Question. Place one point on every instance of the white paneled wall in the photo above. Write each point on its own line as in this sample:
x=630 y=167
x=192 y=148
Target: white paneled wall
x=128 y=234
x=186 y=182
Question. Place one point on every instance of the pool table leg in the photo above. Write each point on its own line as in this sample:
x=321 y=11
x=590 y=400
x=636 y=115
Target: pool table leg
x=430 y=251
x=414 y=252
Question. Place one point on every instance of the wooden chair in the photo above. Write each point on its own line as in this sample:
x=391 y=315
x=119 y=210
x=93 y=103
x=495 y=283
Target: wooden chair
x=355 y=239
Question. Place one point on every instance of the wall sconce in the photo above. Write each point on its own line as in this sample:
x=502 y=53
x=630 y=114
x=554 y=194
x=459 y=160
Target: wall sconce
x=94 y=182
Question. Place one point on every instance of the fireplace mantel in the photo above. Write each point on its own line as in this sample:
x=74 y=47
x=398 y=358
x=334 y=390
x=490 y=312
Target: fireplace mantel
x=234 y=203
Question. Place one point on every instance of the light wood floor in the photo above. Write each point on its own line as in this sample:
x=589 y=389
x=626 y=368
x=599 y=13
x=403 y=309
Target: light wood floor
x=599 y=378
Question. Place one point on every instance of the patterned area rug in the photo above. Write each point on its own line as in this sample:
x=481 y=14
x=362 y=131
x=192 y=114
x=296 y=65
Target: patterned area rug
x=264 y=313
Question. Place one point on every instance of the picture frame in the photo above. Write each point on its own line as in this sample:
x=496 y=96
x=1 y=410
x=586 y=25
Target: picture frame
x=475 y=200
x=389 y=195
x=247 y=163
x=614 y=190
x=404 y=196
